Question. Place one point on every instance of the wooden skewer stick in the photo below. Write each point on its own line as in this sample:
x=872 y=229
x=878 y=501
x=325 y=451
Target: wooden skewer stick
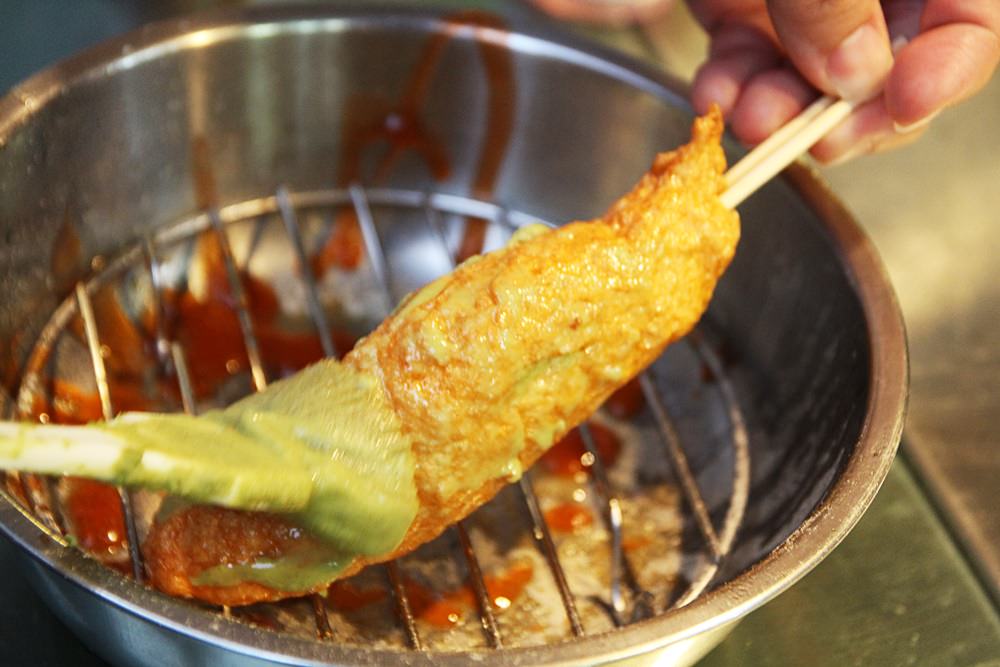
x=770 y=157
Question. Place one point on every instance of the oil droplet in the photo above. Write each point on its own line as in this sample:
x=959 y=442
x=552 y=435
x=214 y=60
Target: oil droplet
x=579 y=495
x=44 y=417
x=232 y=366
x=501 y=602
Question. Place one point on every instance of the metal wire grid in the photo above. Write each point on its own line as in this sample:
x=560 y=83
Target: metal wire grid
x=624 y=588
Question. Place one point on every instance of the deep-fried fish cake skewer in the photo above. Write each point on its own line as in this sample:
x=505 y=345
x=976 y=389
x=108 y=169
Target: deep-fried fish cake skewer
x=453 y=396
x=491 y=364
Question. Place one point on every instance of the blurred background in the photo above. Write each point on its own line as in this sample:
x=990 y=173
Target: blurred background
x=918 y=582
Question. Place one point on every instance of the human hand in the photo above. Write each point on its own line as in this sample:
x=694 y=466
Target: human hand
x=902 y=61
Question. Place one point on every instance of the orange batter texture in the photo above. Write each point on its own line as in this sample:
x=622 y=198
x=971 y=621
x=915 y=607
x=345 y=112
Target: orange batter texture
x=490 y=365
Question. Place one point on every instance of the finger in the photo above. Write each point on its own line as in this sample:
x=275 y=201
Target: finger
x=856 y=135
x=943 y=12
x=940 y=68
x=738 y=52
x=840 y=46
x=869 y=129
x=897 y=140
x=769 y=100
x=954 y=57
x=872 y=145
x=712 y=14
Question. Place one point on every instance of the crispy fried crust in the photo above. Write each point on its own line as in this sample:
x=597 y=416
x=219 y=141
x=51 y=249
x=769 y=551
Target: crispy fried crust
x=581 y=310
x=194 y=539
x=510 y=351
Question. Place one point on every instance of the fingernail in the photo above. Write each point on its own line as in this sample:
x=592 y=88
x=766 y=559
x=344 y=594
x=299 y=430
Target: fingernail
x=858 y=67
x=915 y=125
x=851 y=153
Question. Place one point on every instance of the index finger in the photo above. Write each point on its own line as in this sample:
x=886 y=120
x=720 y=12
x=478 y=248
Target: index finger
x=953 y=56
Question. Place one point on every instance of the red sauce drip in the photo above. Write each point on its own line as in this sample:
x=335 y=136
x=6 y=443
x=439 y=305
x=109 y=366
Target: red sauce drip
x=473 y=239
x=344 y=247
x=68 y=404
x=209 y=332
x=92 y=510
x=344 y=340
x=501 y=105
x=94 y=516
x=568 y=517
x=132 y=347
x=371 y=121
x=509 y=584
x=449 y=609
x=130 y=342
x=10 y=362
x=567 y=457
x=441 y=611
x=259 y=619
x=348 y=597
x=632 y=542
x=65 y=267
x=30 y=489
x=66 y=261
x=627 y=401
x=203 y=176
x=208 y=328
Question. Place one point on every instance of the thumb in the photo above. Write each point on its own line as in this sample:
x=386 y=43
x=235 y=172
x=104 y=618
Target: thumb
x=840 y=46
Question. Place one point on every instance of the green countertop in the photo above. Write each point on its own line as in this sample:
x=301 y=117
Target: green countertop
x=897 y=591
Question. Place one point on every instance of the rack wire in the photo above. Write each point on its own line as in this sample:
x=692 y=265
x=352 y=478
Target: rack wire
x=627 y=601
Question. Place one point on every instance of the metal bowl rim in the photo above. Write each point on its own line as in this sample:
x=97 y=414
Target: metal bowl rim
x=825 y=527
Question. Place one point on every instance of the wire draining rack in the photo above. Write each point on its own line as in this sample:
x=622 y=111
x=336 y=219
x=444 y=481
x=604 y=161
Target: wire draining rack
x=625 y=601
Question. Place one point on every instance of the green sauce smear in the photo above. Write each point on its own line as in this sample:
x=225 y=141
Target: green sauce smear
x=322 y=448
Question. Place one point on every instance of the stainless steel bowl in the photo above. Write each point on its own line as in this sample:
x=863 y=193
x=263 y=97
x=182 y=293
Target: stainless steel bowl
x=808 y=327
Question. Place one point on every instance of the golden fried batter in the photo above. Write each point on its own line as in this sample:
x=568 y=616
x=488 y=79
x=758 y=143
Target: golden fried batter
x=196 y=538
x=512 y=350
x=490 y=365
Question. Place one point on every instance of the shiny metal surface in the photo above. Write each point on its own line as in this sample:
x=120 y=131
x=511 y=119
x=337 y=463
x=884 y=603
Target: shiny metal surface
x=74 y=140
x=937 y=222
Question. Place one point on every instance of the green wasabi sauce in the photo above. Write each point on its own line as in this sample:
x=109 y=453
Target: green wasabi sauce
x=298 y=571
x=335 y=422
x=322 y=448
